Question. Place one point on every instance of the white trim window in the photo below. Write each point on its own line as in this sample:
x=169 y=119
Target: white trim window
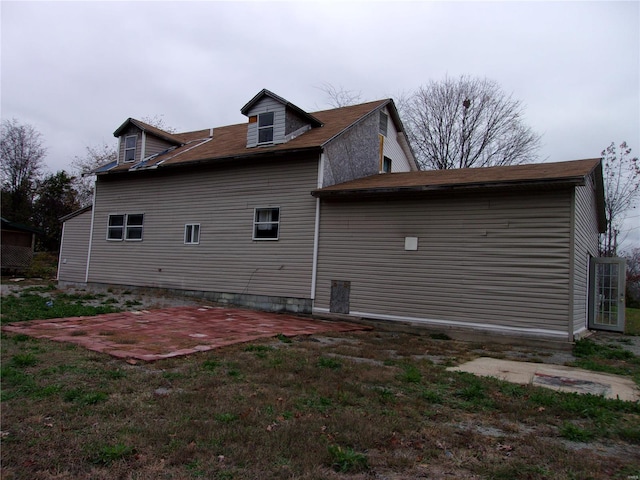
x=130 y=148
x=266 y=223
x=115 y=228
x=192 y=234
x=265 y=127
x=135 y=222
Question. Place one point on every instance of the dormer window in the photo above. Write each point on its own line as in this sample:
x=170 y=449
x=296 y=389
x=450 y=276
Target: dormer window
x=130 y=148
x=265 y=127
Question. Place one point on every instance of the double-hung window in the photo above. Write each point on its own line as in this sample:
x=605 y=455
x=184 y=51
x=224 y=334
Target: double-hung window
x=266 y=223
x=130 y=148
x=134 y=226
x=125 y=227
x=192 y=234
x=265 y=127
x=115 y=229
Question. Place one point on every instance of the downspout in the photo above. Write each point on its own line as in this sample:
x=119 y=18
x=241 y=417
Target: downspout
x=572 y=264
x=93 y=214
x=143 y=146
x=316 y=233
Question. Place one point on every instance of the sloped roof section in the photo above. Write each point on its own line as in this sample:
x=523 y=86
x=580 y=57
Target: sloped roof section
x=230 y=142
x=572 y=172
x=176 y=139
x=538 y=175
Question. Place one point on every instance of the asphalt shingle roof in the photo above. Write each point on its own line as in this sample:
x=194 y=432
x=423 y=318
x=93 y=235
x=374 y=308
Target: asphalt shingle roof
x=565 y=172
x=230 y=141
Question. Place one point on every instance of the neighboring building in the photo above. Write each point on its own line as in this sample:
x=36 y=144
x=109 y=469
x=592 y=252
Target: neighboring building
x=328 y=213
x=18 y=242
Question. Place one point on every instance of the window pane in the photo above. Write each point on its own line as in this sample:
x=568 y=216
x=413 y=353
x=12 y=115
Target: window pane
x=265 y=135
x=383 y=123
x=196 y=234
x=265 y=119
x=116 y=220
x=266 y=231
x=130 y=142
x=136 y=219
x=134 y=233
x=114 y=233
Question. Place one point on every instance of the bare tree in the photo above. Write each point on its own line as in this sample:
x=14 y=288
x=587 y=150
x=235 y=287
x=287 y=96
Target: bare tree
x=83 y=180
x=158 y=121
x=468 y=122
x=633 y=278
x=21 y=157
x=339 y=97
x=622 y=190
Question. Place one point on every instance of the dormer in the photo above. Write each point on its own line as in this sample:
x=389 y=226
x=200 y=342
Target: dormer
x=274 y=120
x=138 y=140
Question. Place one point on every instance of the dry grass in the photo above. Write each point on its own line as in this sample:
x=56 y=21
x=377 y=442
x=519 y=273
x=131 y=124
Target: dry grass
x=365 y=405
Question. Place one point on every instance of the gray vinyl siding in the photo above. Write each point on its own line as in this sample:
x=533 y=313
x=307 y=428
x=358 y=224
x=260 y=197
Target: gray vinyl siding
x=267 y=104
x=154 y=145
x=353 y=154
x=482 y=261
x=74 y=248
x=222 y=201
x=585 y=247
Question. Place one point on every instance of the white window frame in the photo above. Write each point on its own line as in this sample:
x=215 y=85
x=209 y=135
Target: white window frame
x=125 y=228
x=257 y=223
x=120 y=227
x=266 y=127
x=191 y=233
x=127 y=149
x=129 y=226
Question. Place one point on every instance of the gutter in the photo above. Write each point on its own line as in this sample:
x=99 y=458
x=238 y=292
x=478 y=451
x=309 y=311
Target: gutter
x=353 y=192
x=214 y=160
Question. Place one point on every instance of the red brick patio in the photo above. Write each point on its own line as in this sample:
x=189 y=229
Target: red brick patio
x=170 y=332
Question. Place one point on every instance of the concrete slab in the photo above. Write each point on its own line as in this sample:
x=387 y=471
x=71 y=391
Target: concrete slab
x=556 y=377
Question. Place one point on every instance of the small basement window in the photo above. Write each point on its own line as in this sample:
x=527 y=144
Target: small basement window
x=130 y=148
x=115 y=229
x=266 y=223
x=265 y=127
x=192 y=234
x=134 y=226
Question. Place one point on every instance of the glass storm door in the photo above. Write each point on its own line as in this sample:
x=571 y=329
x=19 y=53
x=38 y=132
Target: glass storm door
x=607 y=304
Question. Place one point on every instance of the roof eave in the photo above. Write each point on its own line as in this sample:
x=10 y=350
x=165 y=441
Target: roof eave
x=425 y=189
x=214 y=160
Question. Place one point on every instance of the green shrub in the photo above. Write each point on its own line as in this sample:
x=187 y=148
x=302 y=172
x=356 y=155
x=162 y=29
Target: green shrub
x=347 y=460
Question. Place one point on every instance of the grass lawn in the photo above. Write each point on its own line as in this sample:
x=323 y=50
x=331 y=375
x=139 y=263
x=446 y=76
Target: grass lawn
x=632 y=319
x=358 y=406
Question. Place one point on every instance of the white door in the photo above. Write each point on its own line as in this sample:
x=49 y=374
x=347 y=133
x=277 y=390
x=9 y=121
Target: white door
x=606 y=310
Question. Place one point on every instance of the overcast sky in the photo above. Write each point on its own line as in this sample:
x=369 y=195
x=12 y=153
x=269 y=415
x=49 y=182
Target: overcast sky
x=76 y=70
